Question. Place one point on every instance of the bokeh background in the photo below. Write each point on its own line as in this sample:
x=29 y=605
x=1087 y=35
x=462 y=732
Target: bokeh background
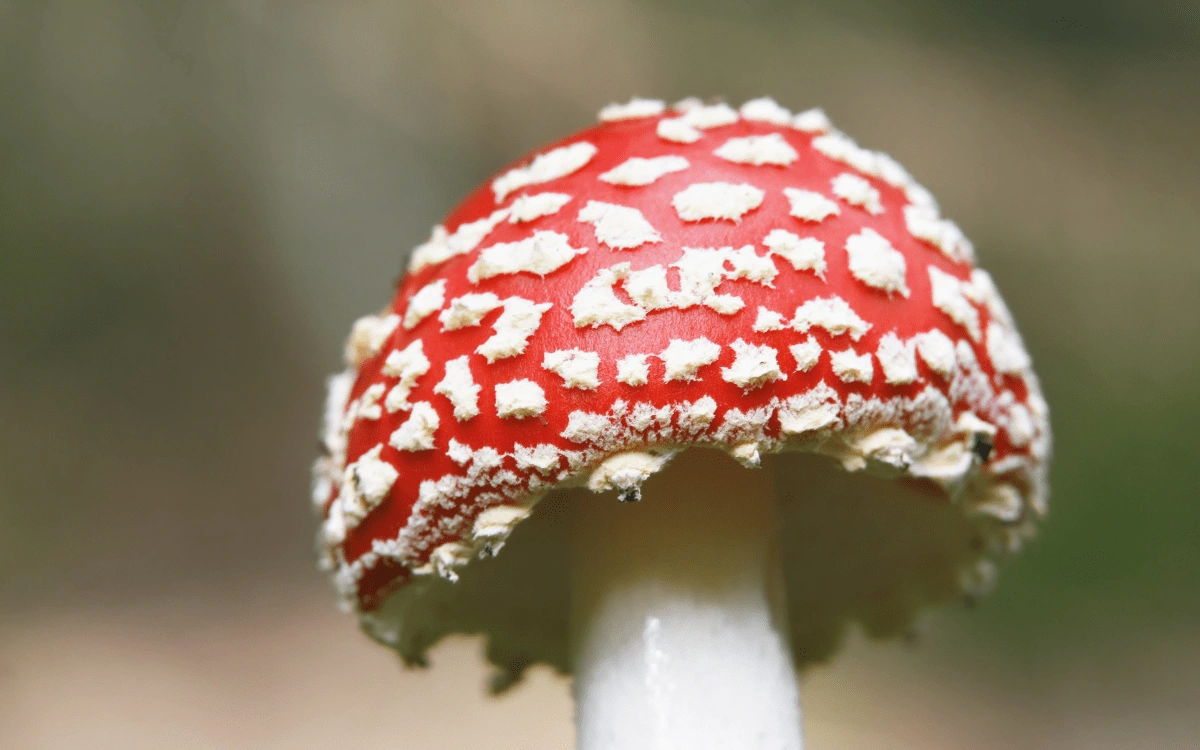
x=197 y=199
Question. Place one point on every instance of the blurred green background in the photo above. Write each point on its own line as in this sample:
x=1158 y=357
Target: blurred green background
x=198 y=198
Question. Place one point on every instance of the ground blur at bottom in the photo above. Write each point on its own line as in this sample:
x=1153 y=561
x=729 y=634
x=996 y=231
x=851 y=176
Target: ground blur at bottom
x=266 y=668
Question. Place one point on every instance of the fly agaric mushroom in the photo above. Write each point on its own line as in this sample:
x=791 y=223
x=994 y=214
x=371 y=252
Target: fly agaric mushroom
x=767 y=330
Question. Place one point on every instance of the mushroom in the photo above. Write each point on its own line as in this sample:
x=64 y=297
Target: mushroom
x=767 y=331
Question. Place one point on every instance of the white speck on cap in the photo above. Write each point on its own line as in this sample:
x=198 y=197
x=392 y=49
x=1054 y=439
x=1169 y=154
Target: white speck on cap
x=519 y=399
x=804 y=254
x=416 y=434
x=459 y=387
x=637 y=171
x=648 y=288
x=442 y=246
x=519 y=321
x=459 y=453
x=586 y=427
x=949 y=298
x=937 y=350
x=924 y=223
x=839 y=147
x=633 y=369
x=368 y=406
x=674 y=129
x=596 y=305
x=540 y=254
x=852 y=367
x=768 y=320
x=551 y=165
x=701 y=270
x=365 y=484
x=1019 y=426
x=765 y=109
x=619 y=227
x=697 y=415
x=424 y=303
x=368 y=336
x=751 y=266
x=807 y=353
x=705 y=116
x=753 y=366
x=831 y=313
x=812 y=121
x=758 y=150
x=716 y=200
x=874 y=262
x=530 y=207
x=807 y=205
x=633 y=109
x=857 y=192
x=544 y=458
x=684 y=358
x=468 y=310
x=577 y=368
x=1006 y=350
x=407 y=364
x=898 y=359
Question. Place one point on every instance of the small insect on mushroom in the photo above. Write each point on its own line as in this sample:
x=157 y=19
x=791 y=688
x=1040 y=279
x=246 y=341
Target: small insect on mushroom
x=763 y=329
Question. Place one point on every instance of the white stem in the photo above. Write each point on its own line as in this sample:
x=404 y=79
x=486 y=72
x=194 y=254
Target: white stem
x=679 y=633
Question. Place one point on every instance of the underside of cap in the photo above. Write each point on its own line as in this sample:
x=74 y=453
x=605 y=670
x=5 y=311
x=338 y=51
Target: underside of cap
x=858 y=548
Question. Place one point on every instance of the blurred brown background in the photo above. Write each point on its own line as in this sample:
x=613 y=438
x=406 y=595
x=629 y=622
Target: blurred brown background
x=197 y=198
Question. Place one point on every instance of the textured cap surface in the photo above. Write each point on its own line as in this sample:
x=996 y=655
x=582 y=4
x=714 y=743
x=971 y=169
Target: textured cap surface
x=698 y=275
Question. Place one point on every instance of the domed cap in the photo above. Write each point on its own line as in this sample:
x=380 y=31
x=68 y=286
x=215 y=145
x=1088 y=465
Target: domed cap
x=746 y=280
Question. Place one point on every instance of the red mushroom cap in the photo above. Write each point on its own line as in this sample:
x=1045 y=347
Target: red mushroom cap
x=695 y=276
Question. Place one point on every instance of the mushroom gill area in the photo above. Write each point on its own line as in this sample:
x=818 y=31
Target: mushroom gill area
x=856 y=548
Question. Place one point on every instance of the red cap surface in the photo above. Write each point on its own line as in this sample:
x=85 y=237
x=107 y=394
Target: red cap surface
x=700 y=275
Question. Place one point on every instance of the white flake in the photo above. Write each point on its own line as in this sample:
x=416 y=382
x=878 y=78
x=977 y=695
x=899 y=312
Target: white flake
x=585 y=427
x=407 y=364
x=459 y=386
x=416 y=434
x=807 y=254
x=543 y=458
x=765 y=109
x=751 y=266
x=365 y=484
x=519 y=321
x=898 y=359
x=705 y=116
x=540 y=254
x=701 y=270
x=519 y=399
x=442 y=246
x=368 y=336
x=839 y=147
x=812 y=121
x=468 y=310
x=831 y=313
x=758 y=150
x=874 y=262
x=633 y=109
x=551 y=165
x=619 y=227
x=924 y=223
x=648 y=288
x=697 y=415
x=459 y=453
x=753 y=366
x=1005 y=349
x=852 y=367
x=674 y=129
x=637 y=171
x=807 y=353
x=596 y=305
x=948 y=297
x=716 y=200
x=424 y=303
x=684 y=358
x=529 y=207
x=807 y=205
x=368 y=403
x=769 y=320
x=937 y=350
x=1020 y=426
x=577 y=368
x=857 y=192
x=633 y=369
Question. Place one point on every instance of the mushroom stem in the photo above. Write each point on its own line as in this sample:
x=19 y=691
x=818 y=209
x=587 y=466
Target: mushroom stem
x=679 y=627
